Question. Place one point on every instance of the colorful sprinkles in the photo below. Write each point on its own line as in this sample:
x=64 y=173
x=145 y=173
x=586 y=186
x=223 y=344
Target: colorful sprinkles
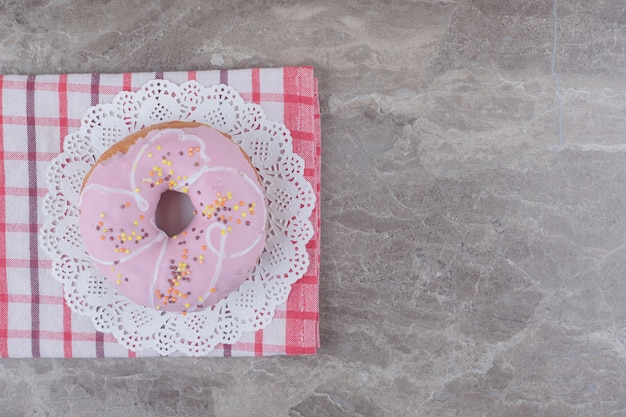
x=221 y=208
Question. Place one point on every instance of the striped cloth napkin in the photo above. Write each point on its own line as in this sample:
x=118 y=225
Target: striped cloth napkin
x=36 y=113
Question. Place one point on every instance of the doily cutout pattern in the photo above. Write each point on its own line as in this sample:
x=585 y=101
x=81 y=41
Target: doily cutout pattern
x=290 y=203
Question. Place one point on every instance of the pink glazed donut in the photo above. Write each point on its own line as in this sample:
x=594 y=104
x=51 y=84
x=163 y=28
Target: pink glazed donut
x=206 y=260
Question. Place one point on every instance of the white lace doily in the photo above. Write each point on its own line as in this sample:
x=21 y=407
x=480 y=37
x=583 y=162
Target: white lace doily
x=290 y=203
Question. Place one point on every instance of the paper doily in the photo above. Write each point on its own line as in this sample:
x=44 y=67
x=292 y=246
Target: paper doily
x=290 y=203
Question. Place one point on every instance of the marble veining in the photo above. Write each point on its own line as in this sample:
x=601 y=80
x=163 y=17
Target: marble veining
x=474 y=237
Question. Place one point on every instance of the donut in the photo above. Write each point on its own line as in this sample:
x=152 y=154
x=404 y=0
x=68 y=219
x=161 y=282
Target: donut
x=174 y=216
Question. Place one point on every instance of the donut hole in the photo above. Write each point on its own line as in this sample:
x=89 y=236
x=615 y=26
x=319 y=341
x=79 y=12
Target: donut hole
x=174 y=212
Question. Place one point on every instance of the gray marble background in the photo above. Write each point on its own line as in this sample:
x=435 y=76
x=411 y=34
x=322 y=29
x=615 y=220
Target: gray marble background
x=474 y=231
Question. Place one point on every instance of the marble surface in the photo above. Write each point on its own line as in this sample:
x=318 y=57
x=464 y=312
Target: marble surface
x=474 y=185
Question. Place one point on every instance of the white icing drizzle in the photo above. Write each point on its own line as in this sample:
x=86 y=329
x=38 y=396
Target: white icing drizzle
x=181 y=137
x=151 y=294
x=134 y=253
x=220 y=254
x=260 y=195
x=248 y=249
x=141 y=202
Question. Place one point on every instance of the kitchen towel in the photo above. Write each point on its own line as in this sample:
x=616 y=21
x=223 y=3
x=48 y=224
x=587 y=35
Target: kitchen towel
x=36 y=113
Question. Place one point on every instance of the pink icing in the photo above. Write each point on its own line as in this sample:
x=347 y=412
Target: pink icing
x=206 y=261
